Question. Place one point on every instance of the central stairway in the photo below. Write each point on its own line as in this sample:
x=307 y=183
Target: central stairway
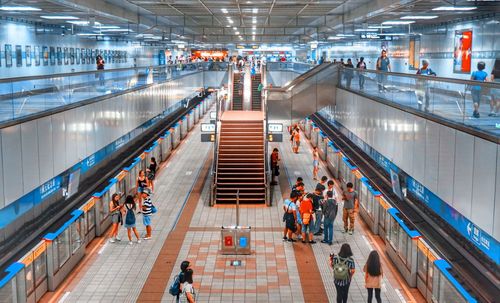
x=240 y=163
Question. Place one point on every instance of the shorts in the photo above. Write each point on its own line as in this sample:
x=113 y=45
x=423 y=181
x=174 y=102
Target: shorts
x=140 y=189
x=315 y=163
x=307 y=228
x=146 y=220
x=115 y=218
x=297 y=143
x=129 y=225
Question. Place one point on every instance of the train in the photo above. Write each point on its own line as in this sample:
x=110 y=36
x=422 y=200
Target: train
x=45 y=266
x=420 y=265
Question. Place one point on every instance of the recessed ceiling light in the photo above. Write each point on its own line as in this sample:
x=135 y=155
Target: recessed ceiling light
x=334 y=38
x=237 y=33
x=224 y=10
x=254 y=27
x=60 y=17
x=235 y=28
x=230 y=21
x=254 y=21
x=395 y=34
x=104 y=26
x=346 y=35
x=418 y=17
x=84 y=23
x=454 y=8
x=380 y=26
x=19 y=8
x=366 y=30
x=89 y=34
x=255 y=10
x=398 y=22
x=253 y=33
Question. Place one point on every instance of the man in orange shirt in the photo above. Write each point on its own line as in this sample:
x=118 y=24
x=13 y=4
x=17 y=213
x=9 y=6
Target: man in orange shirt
x=296 y=141
x=306 y=212
x=275 y=169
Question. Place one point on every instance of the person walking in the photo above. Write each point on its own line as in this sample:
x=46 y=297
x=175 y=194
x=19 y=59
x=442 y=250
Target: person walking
x=275 y=169
x=315 y=163
x=187 y=290
x=115 y=209
x=423 y=90
x=383 y=65
x=350 y=203
x=348 y=73
x=296 y=140
x=130 y=207
x=343 y=270
x=361 y=66
x=147 y=211
x=476 y=90
x=373 y=276
x=495 y=92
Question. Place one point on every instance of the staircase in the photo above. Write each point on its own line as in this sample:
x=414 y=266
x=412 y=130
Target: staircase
x=240 y=163
x=238 y=91
x=256 y=96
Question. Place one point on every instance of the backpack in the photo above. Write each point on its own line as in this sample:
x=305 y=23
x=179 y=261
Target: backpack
x=130 y=217
x=306 y=218
x=341 y=269
x=175 y=287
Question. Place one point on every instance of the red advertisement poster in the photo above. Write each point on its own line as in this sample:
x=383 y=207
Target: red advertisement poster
x=463 y=51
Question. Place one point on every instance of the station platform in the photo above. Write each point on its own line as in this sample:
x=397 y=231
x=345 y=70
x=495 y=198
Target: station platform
x=187 y=228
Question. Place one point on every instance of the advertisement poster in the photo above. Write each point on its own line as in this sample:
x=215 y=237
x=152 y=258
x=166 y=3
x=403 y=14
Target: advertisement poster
x=72 y=55
x=8 y=55
x=28 y=55
x=37 y=55
x=19 y=55
x=59 y=56
x=77 y=56
x=52 y=55
x=463 y=51
x=66 y=56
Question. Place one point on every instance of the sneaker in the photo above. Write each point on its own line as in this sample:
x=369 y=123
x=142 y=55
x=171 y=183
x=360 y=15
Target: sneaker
x=330 y=243
x=292 y=240
x=323 y=241
x=112 y=240
x=475 y=114
x=147 y=238
x=138 y=241
x=130 y=243
x=285 y=238
x=492 y=114
x=351 y=232
x=118 y=239
x=344 y=231
x=303 y=241
x=312 y=242
x=319 y=233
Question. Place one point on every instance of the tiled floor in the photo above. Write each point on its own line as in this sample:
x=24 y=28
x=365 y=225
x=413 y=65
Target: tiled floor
x=118 y=273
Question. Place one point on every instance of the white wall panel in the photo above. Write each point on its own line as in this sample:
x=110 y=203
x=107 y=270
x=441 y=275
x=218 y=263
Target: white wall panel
x=2 y=192
x=496 y=219
x=71 y=138
x=81 y=132
x=29 y=149
x=431 y=155
x=483 y=184
x=12 y=163
x=462 y=188
x=91 y=133
x=45 y=149
x=419 y=147
x=59 y=141
x=447 y=137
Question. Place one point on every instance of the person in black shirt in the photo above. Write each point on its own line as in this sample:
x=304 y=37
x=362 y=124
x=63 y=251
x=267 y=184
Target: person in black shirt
x=349 y=73
x=361 y=66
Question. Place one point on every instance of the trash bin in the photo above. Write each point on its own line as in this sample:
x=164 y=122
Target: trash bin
x=236 y=240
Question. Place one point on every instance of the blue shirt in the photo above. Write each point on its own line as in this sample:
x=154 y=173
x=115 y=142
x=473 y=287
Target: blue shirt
x=289 y=205
x=384 y=64
x=479 y=75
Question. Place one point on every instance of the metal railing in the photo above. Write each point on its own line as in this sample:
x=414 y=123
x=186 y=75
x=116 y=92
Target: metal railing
x=23 y=96
x=449 y=99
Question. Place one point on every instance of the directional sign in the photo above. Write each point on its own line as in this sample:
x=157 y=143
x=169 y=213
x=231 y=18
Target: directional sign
x=213 y=115
x=207 y=128
x=275 y=127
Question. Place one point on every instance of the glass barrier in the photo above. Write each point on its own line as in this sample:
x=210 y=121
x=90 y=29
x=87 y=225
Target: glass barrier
x=24 y=96
x=298 y=67
x=475 y=104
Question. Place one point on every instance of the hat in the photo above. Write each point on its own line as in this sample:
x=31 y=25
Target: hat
x=147 y=191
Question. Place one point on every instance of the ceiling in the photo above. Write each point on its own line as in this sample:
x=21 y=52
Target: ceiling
x=234 y=21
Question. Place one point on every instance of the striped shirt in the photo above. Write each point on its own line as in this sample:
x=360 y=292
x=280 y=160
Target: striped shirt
x=350 y=265
x=146 y=207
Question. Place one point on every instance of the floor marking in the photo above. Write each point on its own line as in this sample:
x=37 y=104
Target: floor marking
x=103 y=248
x=188 y=173
x=63 y=298
x=400 y=295
x=367 y=242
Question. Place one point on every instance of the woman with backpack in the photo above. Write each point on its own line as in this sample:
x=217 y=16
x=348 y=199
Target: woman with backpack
x=373 y=276
x=343 y=270
x=130 y=219
x=187 y=295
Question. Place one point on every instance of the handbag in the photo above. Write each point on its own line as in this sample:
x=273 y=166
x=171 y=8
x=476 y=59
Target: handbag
x=154 y=210
x=277 y=170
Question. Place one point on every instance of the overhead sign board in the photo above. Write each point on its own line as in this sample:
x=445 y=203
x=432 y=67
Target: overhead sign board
x=372 y=36
x=275 y=127
x=213 y=115
x=207 y=128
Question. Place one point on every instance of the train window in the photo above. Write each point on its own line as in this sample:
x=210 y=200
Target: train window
x=40 y=268
x=28 y=274
x=430 y=276
x=381 y=216
x=403 y=247
x=55 y=258
x=394 y=234
x=90 y=218
x=63 y=247
x=369 y=203
x=7 y=292
x=104 y=206
x=76 y=235
x=422 y=263
x=364 y=196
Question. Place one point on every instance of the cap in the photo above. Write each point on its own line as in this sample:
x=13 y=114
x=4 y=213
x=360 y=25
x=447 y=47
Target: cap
x=147 y=191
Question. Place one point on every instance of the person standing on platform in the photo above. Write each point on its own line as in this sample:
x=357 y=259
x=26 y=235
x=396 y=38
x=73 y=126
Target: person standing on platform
x=100 y=66
x=373 y=276
x=330 y=209
x=315 y=163
x=495 y=92
x=147 y=211
x=153 y=167
x=343 y=270
x=296 y=140
x=275 y=169
x=423 y=90
x=290 y=217
x=350 y=202
x=361 y=66
x=348 y=73
x=130 y=207
x=187 y=290
x=115 y=209
x=306 y=214
x=383 y=65
x=318 y=214
x=141 y=183
x=477 y=90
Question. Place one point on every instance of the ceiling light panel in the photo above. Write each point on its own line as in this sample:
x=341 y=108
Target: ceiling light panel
x=396 y=22
x=418 y=17
x=60 y=17
x=19 y=8
x=454 y=8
